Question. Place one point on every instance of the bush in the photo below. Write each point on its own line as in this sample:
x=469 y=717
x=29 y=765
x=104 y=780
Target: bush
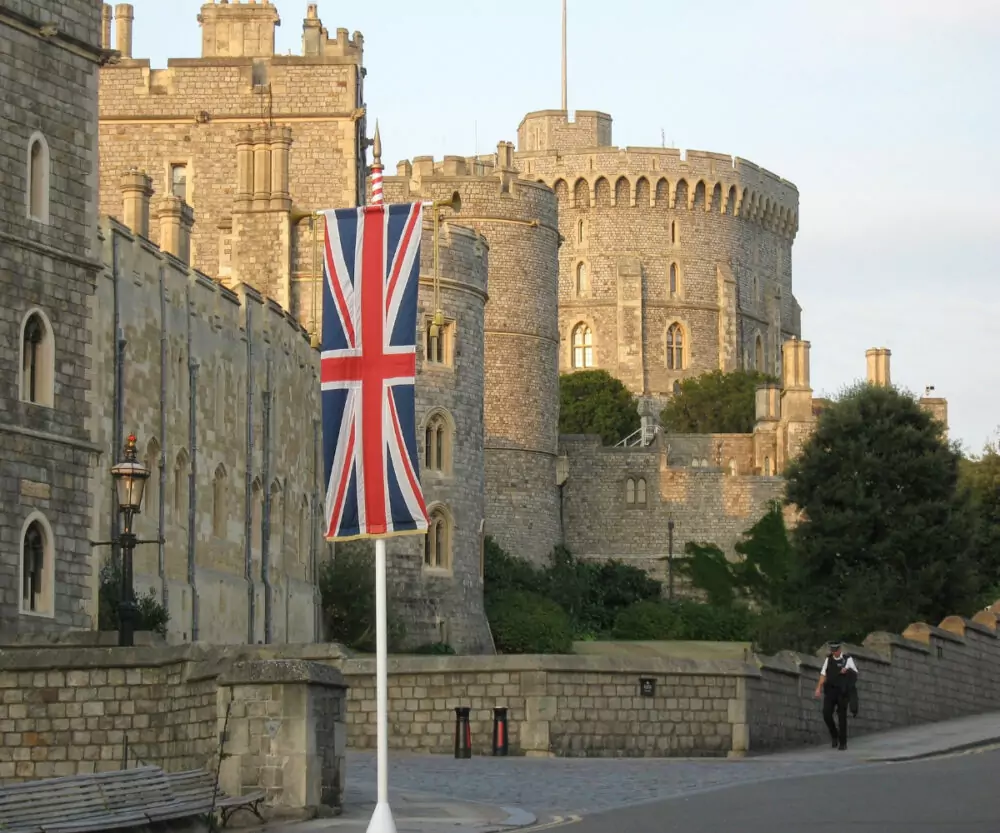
x=150 y=614
x=434 y=649
x=347 y=590
x=527 y=623
x=684 y=619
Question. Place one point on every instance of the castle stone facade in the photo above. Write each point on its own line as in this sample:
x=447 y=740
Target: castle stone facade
x=48 y=272
x=672 y=264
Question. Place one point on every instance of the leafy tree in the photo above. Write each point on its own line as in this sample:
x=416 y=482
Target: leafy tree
x=979 y=477
x=887 y=536
x=595 y=402
x=150 y=614
x=715 y=403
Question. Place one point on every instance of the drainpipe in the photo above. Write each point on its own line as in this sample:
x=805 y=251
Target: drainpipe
x=265 y=543
x=161 y=552
x=193 y=473
x=248 y=520
x=117 y=418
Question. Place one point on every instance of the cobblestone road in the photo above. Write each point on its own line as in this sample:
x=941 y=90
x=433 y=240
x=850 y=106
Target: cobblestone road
x=561 y=786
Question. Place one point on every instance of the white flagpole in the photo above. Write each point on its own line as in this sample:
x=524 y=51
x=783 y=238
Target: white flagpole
x=381 y=821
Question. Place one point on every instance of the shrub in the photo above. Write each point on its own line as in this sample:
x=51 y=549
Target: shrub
x=684 y=619
x=151 y=615
x=527 y=623
x=435 y=649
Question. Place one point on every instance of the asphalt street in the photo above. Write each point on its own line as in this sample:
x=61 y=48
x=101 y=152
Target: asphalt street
x=939 y=795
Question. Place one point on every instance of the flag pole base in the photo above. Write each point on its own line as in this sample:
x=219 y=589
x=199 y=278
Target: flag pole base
x=382 y=821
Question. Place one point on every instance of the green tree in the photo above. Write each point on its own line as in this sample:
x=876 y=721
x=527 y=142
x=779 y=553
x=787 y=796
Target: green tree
x=150 y=615
x=979 y=476
x=887 y=535
x=595 y=402
x=715 y=403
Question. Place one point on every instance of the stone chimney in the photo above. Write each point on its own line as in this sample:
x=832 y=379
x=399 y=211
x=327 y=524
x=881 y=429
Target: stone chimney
x=106 y=13
x=238 y=30
x=137 y=188
x=768 y=403
x=124 y=14
x=313 y=33
x=796 y=394
x=878 y=366
x=176 y=219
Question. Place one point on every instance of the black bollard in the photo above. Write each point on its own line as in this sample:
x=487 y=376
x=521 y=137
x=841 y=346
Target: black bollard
x=463 y=733
x=500 y=739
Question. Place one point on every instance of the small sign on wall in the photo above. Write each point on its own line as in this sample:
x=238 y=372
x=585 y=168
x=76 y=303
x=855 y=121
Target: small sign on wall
x=647 y=686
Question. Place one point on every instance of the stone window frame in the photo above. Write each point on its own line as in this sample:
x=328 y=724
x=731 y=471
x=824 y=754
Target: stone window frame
x=446 y=344
x=673 y=352
x=675 y=233
x=153 y=460
x=582 y=234
x=675 y=279
x=587 y=327
x=440 y=520
x=302 y=539
x=181 y=496
x=276 y=524
x=759 y=355
x=636 y=492
x=582 y=288
x=44 y=355
x=256 y=510
x=220 y=507
x=439 y=427
x=45 y=608
x=38 y=181
x=173 y=164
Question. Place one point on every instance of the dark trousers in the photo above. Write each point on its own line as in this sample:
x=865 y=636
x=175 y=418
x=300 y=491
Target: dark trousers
x=836 y=700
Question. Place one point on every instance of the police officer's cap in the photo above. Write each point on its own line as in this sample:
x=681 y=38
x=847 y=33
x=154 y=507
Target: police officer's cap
x=834 y=646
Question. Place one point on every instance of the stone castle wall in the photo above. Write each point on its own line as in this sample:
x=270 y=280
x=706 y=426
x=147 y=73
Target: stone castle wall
x=687 y=480
x=225 y=354
x=521 y=405
x=48 y=272
x=653 y=238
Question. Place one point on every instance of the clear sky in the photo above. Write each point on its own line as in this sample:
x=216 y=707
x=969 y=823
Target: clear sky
x=884 y=113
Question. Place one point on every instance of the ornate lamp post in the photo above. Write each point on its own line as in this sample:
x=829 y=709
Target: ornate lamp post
x=130 y=481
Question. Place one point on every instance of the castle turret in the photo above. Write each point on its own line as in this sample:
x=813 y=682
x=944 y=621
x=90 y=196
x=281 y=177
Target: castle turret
x=124 y=15
x=518 y=219
x=878 y=366
x=238 y=29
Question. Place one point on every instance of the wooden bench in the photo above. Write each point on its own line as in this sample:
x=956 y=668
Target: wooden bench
x=94 y=802
x=198 y=785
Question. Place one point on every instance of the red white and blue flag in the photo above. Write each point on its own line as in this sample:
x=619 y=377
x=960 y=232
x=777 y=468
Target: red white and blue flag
x=371 y=269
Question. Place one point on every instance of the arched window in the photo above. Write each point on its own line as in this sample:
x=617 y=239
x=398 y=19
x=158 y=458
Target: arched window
x=277 y=525
x=676 y=387
x=220 y=510
x=151 y=496
x=630 y=491
x=675 y=347
x=675 y=283
x=673 y=232
x=181 y=489
x=256 y=518
x=437 y=544
x=640 y=491
x=38 y=179
x=582 y=280
x=758 y=352
x=437 y=444
x=37 y=567
x=37 y=361
x=581 y=231
x=583 y=346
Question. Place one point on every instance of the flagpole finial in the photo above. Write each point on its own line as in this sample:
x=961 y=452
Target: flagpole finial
x=377 y=146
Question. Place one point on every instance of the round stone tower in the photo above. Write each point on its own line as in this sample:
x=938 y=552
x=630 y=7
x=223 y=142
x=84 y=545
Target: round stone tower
x=673 y=263
x=518 y=219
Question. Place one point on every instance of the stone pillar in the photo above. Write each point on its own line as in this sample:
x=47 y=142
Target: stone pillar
x=176 y=219
x=244 y=168
x=795 y=364
x=768 y=408
x=287 y=733
x=261 y=169
x=878 y=366
x=137 y=188
x=124 y=13
x=281 y=142
x=106 y=13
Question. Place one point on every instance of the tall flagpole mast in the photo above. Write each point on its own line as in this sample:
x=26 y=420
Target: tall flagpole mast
x=564 y=96
x=381 y=821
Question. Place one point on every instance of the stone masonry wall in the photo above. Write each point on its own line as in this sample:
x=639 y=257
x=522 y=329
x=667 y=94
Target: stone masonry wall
x=205 y=581
x=48 y=267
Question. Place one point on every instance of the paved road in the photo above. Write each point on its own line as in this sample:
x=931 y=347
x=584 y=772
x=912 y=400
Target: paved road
x=956 y=794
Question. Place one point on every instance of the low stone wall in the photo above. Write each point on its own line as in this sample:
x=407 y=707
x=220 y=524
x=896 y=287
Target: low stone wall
x=68 y=711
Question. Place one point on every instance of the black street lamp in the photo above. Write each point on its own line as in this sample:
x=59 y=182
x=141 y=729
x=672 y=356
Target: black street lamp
x=130 y=481
x=670 y=558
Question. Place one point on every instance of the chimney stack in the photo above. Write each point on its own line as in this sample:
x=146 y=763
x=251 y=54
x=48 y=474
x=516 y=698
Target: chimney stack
x=124 y=14
x=795 y=364
x=176 y=219
x=878 y=366
x=137 y=188
x=106 y=13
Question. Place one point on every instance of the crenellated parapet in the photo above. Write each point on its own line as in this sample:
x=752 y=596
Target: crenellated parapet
x=316 y=40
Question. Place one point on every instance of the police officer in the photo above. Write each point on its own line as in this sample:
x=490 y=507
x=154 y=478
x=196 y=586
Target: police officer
x=836 y=682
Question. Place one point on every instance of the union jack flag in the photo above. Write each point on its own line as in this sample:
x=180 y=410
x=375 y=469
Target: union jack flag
x=371 y=269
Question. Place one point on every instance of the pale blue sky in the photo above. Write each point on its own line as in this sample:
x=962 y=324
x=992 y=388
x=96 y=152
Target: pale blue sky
x=884 y=113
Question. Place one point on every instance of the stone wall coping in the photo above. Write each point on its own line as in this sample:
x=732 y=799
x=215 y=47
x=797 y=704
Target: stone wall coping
x=922 y=632
x=958 y=625
x=554 y=663
x=82 y=639
x=257 y=671
x=888 y=641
